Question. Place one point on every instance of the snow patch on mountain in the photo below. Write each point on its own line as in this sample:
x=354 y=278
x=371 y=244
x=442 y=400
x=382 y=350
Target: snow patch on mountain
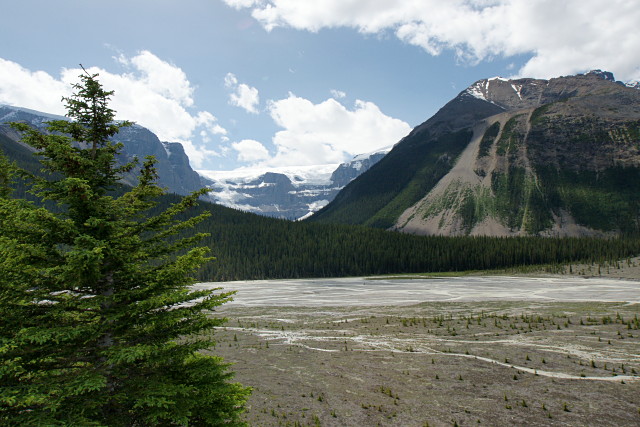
x=361 y=157
x=166 y=148
x=298 y=175
x=293 y=192
x=517 y=88
x=476 y=90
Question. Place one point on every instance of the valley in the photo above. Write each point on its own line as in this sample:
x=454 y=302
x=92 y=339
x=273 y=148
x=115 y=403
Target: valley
x=303 y=214
x=495 y=347
x=567 y=353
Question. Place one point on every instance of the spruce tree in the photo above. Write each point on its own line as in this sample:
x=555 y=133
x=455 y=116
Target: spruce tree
x=98 y=325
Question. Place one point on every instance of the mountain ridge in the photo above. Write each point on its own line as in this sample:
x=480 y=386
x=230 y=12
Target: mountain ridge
x=525 y=141
x=292 y=193
x=277 y=192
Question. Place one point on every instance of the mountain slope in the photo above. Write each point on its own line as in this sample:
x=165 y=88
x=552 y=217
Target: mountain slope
x=411 y=168
x=557 y=157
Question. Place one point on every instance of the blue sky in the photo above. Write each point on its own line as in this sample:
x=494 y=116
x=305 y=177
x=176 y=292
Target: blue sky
x=298 y=82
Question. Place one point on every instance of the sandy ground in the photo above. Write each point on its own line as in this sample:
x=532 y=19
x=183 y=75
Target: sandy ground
x=581 y=283
x=438 y=363
x=477 y=350
x=625 y=269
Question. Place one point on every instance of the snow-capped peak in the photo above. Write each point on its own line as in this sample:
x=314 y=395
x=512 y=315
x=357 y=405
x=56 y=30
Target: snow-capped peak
x=478 y=89
x=605 y=75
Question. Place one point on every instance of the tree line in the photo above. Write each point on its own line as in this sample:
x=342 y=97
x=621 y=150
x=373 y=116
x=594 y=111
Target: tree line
x=248 y=246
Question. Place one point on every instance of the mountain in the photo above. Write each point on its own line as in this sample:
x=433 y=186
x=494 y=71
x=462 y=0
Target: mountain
x=347 y=172
x=558 y=157
x=172 y=163
x=286 y=192
x=289 y=193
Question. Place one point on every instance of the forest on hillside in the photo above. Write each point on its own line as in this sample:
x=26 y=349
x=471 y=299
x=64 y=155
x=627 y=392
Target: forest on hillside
x=248 y=246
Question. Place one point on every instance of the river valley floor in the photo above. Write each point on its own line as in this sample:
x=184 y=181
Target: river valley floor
x=473 y=350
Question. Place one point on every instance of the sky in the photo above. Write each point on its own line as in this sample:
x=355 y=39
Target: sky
x=279 y=83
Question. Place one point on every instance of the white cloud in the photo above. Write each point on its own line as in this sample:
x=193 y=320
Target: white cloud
x=338 y=94
x=244 y=96
x=563 y=37
x=230 y=80
x=250 y=150
x=209 y=121
x=329 y=132
x=31 y=89
x=163 y=78
x=238 y=4
x=149 y=81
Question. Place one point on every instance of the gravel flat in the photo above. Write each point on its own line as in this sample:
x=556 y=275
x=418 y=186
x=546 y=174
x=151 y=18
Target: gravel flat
x=398 y=291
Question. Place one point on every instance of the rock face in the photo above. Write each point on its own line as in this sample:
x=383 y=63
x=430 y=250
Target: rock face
x=173 y=166
x=347 y=172
x=172 y=162
x=288 y=193
x=511 y=157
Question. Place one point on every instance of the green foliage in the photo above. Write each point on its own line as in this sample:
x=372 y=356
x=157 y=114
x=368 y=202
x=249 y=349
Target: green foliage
x=509 y=189
x=520 y=200
x=99 y=326
x=605 y=200
x=511 y=137
x=633 y=131
x=24 y=159
x=538 y=115
x=7 y=171
x=476 y=206
x=488 y=138
x=586 y=165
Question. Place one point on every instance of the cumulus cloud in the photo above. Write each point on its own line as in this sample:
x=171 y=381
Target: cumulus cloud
x=562 y=37
x=148 y=81
x=31 y=89
x=160 y=77
x=338 y=94
x=250 y=150
x=243 y=96
x=238 y=4
x=329 y=132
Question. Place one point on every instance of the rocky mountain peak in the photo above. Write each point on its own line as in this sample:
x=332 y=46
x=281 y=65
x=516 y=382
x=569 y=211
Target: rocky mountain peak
x=557 y=157
x=517 y=94
x=604 y=75
x=507 y=94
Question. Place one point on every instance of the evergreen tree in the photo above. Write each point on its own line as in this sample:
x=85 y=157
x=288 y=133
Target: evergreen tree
x=97 y=323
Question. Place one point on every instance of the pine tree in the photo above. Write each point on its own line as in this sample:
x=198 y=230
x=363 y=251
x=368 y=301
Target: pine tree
x=98 y=325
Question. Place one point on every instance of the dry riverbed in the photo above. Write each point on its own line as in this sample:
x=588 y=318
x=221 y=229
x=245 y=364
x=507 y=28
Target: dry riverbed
x=438 y=363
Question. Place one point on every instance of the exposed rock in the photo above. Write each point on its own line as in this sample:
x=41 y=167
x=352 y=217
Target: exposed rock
x=347 y=172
